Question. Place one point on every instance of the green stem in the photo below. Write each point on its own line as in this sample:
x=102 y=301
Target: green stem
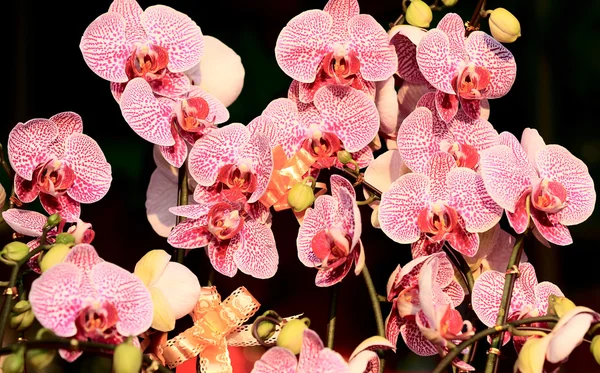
x=371 y=198
x=182 y=200
x=332 y=315
x=5 y=166
x=68 y=344
x=361 y=181
x=446 y=360
x=211 y=276
x=509 y=283
x=376 y=310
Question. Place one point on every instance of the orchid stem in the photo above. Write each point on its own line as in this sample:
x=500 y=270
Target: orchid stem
x=509 y=283
x=361 y=181
x=371 y=198
x=5 y=166
x=182 y=200
x=475 y=18
x=376 y=310
x=335 y=291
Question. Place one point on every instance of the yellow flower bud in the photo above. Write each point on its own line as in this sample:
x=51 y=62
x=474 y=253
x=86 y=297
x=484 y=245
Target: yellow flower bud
x=595 y=348
x=14 y=363
x=558 y=306
x=40 y=358
x=291 y=335
x=532 y=355
x=505 y=27
x=21 y=306
x=265 y=329
x=419 y=14
x=449 y=2
x=344 y=156
x=127 y=358
x=54 y=256
x=15 y=251
x=21 y=321
x=301 y=196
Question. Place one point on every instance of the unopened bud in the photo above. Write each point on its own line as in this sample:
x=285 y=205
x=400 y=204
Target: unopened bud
x=344 y=156
x=127 y=358
x=419 y=14
x=54 y=256
x=449 y=2
x=21 y=306
x=15 y=251
x=595 y=348
x=505 y=27
x=558 y=306
x=65 y=238
x=292 y=333
x=40 y=358
x=21 y=321
x=14 y=363
x=301 y=196
x=53 y=220
x=265 y=329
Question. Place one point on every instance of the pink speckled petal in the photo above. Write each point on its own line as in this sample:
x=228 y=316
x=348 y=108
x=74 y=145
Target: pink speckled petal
x=387 y=106
x=302 y=44
x=309 y=353
x=190 y=234
x=145 y=114
x=393 y=323
x=131 y=11
x=543 y=290
x=378 y=60
x=478 y=133
x=532 y=142
x=171 y=85
x=218 y=113
x=472 y=108
x=487 y=52
x=183 y=41
x=363 y=157
x=258 y=150
x=550 y=228
x=257 y=256
x=117 y=90
x=437 y=62
x=331 y=276
x=86 y=159
x=283 y=125
x=206 y=195
x=69 y=356
x=195 y=211
x=328 y=361
x=416 y=341
x=487 y=293
x=405 y=40
x=455 y=292
x=471 y=200
x=26 y=190
x=67 y=123
x=519 y=220
x=160 y=195
x=127 y=293
x=315 y=219
x=349 y=214
x=105 y=47
x=28 y=145
x=446 y=105
x=341 y=12
x=419 y=138
x=348 y=113
x=175 y=154
x=276 y=360
x=338 y=181
x=558 y=164
x=84 y=256
x=437 y=169
x=27 y=223
x=68 y=209
x=445 y=271
x=56 y=300
x=400 y=207
x=463 y=241
x=424 y=247
x=215 y=150
x=364 y=362
x=454 y=27
x=220 y=254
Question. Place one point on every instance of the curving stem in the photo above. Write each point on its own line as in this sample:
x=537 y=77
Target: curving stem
x=182 y=200
x=335 y=291
x=376 y=311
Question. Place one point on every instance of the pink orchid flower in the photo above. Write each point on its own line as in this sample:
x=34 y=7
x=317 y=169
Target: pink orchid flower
x=423 y=133
x=336 y=45
x=316 y=358
x=465 y=70
x=339 y=118
x=529 y=299
x=89 y=299
x=403 y=290
x=128 y=42
x=329 y=237
x=52 y=158
x=445 y=203
x=544 y=182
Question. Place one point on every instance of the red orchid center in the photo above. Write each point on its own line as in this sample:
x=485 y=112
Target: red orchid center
x=464 y=154
x=408 y=302
x=549 y=196
x=192 y=115
x=473 y=82
x=240 y=177
x=98 y=321
x=341 y=64
x=224 y=221
x=331 y=246
x=451 y=323
x=54 y=177
x=147 y=61
x=323 y=146
x=437 y=221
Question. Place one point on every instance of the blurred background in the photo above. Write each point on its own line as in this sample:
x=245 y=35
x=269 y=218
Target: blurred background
x=555 y=92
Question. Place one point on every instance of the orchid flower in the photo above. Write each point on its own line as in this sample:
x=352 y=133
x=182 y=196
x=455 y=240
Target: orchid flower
x=336 y=45
x=87 y=298
x=173 y=287
x=52 y=158
x=329 y=237
x=544 y=182
x=423 y=133
x=157 y=44
x=339 y=118
x=465 y=70
x=445 y=203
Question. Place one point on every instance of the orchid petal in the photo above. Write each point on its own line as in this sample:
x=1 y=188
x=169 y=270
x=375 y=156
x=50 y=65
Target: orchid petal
x=105 y=47
x=26 y=190
x=283 y=125
x=160 y=195
x=424 y=247
x=409 y=95
x=180 y=287
x=341 y=12
x=190 y=234
x=309 y=353
x=393 y=324
x=171 y=85
x=217 y=110
x=364 y=362
x=67 y=123
x=454 y=27
x=405 y=39
x=69 y=356
x=532 y=356
x=543 y=290
x=550 y=228
x=331 y=276
x=566 y=338
x=328 y=361
x=532 y=143
x=28 y=145
x=487 y=293
x=84 y=256
x=131 y=12
x=463 y=241
x=478 y=133
x=276 y=360
x=472 y=108
x=68 y=209
x=151 y=266
x=373 y=343
x=258 y=150
x=438 y=167
x=437 y=61
x=446 y=105
x=195 y=211
x=177 y=153
x=220 y=254
x=385 y=169
x=519 y=220
x=116 y=89
x=455 y=292
x=378 y=60
x=163 y=318
x=416 y=341
x=315 y=219
x=387 y=106
x=302 y=44
x=258 y=255
x=27 y=223
x=183 y=42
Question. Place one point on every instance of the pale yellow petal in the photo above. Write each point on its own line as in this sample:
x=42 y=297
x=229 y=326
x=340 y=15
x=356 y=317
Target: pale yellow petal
x=164 y=317
x=151 y=266
x=180 y=287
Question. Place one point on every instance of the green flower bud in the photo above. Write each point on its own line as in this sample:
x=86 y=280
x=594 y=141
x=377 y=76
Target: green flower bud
x=54 y=256
x=14 y=363
x=265 y=329
x=449 y=2
x=65 y=238
x=21 y=321
x=504 y=26
x=21 y=306
x=53 y=220
x=15 y=251
x=344 y=156
x=301 y=196
x=419 y=14
x=595 y=348
x=40 y=358
x=127 y=358
x=558 y=306
x=291 y=335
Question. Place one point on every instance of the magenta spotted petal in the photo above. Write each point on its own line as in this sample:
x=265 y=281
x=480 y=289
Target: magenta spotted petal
x=320 y=217
x=171 y=85
x=29 y=145
x=405 y=39
x=27 y=223
x=175 y=154
x=341 y=12
x=131 y=12
x=190 y=234
x=257 y=255
x=281 y=123
x=258 y=150
x=276 y=360
x=67 y=207
x=437 y=61
x=378 y=60
x=67 y=123
x=416 y=341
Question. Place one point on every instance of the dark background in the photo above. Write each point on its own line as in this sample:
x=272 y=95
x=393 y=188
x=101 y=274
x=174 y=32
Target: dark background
x=555 y=92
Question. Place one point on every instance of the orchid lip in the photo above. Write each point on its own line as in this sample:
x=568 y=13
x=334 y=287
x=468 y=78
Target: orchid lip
x=473 y=82
x=239 y=177
x=437 y=221
x=323 y=146
x=54 y=177
x=147 y=61
x=331 y=246
x=224 y=221
x=549 y=196
x=98 y=320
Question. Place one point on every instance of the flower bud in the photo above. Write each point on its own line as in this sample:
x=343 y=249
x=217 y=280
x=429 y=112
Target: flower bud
x=291 y=335
x=14 y=363
x=419 y=14
x=265 y=329
x=344 y=156
x=301 y=196
x=21 y=306
x=127 y=358
x=449 y=3
x=65 y=238
x=40 y=358
x=504 y=26
x=2 y=196
x=54 y=256
x=15 y=251
x=21 y=321
x=558 y=306
x=532 y=355
x=595 y=348
x=53 y=220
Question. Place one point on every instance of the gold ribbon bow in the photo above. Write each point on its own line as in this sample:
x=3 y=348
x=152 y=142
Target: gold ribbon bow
x=213 y=322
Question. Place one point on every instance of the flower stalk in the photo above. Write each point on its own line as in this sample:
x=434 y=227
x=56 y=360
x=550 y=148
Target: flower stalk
x=335 y=291
x=182 y=200
x=376 y=311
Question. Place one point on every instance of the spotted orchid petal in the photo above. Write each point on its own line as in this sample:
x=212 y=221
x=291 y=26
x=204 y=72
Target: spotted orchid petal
x=378 y=60
x=28 y=145
x=84 y=256
x=568 y=333
x=309 y=354
x=371 y=344
x=320 y=217
x=218 y=113
x=347 y=209
x=283 y=125
x=258 y=150
x=543 y=290
x=276 y=360
x=348 y=113
x=362 y=157
x=26 y=190
x=341 y=12
x=190 y=234
x=478 y=133
x=365 y=362
x=437 y=169
x=67 y=123
x=184 y=42
x=446 y=105
x=438 y=62
x=220 y=254
x=257 y=255
x=131 y=12
x=463 y=241
x=105 y=47
x=405 y=39
x=489 y=53
x=194 y=211
x=550 y=228
x=454 y=27
x=171 y=85
x=416 y=341
x=387 y=106
x=331 y=276
x=393 y=323
x=27 y=223
x=160 y=195
x=68 y=209
x=175 y=154
x=456 y=293
x=94 y=175
x=302 y=44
